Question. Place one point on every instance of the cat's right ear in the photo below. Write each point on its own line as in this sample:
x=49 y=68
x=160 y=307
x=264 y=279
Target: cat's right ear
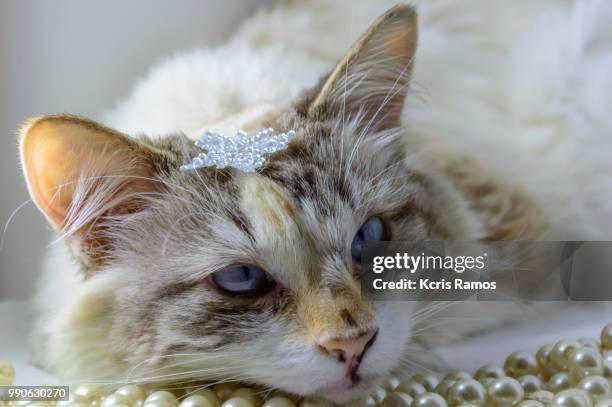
x=80 y=173
x=371 y=81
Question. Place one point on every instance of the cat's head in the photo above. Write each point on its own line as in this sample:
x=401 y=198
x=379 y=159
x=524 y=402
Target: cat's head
x=221 y=274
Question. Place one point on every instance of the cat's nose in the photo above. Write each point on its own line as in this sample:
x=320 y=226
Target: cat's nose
x=345 y=349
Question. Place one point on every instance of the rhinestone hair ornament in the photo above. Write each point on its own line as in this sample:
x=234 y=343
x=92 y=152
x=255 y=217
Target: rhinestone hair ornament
x=245 y=152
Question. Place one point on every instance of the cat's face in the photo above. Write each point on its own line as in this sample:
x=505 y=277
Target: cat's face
x=291 y=315
x=226 y=275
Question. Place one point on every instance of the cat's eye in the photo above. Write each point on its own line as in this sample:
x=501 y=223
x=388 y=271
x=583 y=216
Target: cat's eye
x=374 y=230
x=243 y=280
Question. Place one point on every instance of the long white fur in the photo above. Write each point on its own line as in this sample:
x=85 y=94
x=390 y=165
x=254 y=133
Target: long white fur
x=524 y=85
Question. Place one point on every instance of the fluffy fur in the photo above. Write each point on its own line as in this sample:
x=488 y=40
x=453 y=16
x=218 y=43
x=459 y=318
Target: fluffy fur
x=503 y=118
x=522 y=85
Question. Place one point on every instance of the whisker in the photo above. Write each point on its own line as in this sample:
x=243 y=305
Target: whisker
x=9 y=220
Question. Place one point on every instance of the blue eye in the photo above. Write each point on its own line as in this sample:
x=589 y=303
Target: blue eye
x=244 y=280
x=374 y=230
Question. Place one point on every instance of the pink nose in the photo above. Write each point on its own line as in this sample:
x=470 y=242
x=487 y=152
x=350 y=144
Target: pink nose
x=345 y=349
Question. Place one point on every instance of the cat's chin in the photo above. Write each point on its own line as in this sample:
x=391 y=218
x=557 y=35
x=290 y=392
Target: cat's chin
x=345 y=390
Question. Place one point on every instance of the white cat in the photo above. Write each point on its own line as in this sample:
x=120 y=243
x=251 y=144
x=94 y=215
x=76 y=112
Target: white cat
x=521 y=88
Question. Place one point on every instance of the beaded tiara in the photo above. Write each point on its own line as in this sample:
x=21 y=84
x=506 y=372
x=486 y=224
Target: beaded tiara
x=245 y=152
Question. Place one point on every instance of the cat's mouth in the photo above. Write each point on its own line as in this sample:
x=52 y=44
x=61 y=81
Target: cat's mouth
x=349 y=386
x=351 y=372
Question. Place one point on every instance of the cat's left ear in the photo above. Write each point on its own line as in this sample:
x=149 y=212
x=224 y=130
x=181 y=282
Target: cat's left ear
x=373 y=78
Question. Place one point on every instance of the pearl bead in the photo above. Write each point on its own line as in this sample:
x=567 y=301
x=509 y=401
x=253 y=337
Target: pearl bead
x=117 y=399
x=279 y=402
x=429 y=400
x=505 y=391
x=466 y=391
x=530 y=383
x=561 y=352
x=544 y=396
x=443 y=387
x=489 y=371
x=411 y=388
x=456 y=375
x=237 y=402
x=90 y=392
x=397 y=399
x=368 y=402
x=378 y=394
x=391 y=383
x=71 y=404
x=486 y=382
x=543 y=355
x=607 y=370
x=161 y=398
x=604 y=403
x=531 y=403
x=209 y=395
x=247 y=394
x=571 y=398
x=584 y=362
x=518 y=364
x=606 y=337
x=589 y=343
x=598 y=387
x=558 y=382
x=224 y=390
x=607 y=355
x=159 y=403
x=196 y=401
x=73 y=398
x=7 y=373
x=136 y=393
x=543 y=358
x=316 y=403
x=428 y=380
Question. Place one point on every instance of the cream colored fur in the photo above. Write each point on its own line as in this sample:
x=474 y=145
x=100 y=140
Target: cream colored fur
x=522 y=85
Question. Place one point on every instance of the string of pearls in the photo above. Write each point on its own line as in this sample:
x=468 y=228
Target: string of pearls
x=245 y=152
x=565 y=374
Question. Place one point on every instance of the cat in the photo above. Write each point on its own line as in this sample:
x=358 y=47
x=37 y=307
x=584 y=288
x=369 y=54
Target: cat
x=217 y=274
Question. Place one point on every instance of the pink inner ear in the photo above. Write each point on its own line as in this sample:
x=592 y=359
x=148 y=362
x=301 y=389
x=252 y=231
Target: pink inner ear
x=58 y=150
x=48 y=175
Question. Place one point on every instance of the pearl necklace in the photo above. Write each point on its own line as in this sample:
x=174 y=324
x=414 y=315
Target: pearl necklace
x=565 y=374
